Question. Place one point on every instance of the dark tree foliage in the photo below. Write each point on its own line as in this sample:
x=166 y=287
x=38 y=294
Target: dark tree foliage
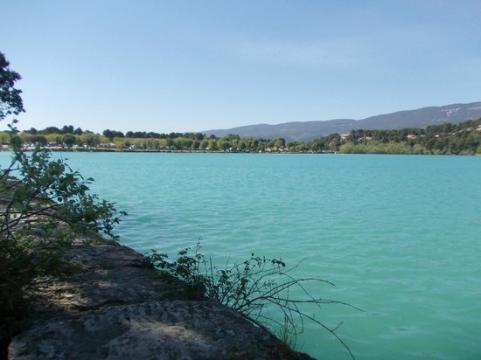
x=51 y=130
x=10 y=98
x=67 y=129
x=110 y=134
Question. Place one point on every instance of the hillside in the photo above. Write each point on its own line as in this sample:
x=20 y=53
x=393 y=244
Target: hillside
x=418 y=118
x=443 y=139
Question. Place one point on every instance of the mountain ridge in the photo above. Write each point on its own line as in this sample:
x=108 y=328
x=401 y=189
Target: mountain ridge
x=308 y=130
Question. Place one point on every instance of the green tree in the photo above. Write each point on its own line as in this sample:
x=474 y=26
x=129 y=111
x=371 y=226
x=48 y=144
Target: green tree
x=69 y=140
x=213 y=145
x=40 y=140
x=90 y=139
x=280 y=143
x=10 y=97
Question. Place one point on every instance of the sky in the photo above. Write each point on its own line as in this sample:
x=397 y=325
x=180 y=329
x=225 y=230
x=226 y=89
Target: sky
x=152 y=65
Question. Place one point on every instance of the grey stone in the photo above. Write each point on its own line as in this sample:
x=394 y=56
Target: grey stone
x=116 y=307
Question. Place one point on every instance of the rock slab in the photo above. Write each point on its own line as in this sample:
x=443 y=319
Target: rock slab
x=117 y=307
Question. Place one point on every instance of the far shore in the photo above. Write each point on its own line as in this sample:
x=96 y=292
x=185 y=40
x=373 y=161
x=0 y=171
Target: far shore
x=110 y=150
x=106 y=150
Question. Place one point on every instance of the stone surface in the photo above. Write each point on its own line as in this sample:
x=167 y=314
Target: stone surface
x=105 y=273
x=114 y=306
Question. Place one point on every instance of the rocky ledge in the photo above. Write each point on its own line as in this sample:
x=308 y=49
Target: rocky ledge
x=115 y=306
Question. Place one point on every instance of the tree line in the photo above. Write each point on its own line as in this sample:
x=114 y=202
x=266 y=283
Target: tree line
x=69 y=137
x=463 y=138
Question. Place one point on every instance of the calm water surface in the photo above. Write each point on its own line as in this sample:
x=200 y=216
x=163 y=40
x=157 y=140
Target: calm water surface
x=400 y=236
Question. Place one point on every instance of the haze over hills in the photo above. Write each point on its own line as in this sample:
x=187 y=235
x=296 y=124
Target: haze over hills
x=307 y=130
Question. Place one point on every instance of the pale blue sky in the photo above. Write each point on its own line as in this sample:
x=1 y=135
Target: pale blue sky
x=196 y=65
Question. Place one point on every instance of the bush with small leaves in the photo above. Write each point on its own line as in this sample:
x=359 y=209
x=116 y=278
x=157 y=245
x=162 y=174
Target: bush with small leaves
x=251 y=288
x=44 y=205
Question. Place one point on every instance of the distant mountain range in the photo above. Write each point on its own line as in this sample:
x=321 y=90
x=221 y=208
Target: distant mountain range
x=307 y=130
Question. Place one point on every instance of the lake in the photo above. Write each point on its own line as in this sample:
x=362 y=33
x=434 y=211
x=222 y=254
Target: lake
x=400 y=236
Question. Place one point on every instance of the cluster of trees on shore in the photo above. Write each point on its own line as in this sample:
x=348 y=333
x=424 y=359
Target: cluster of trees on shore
x=463 y=138
x=444 y=139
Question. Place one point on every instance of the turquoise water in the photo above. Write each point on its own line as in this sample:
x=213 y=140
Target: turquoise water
x=400 y=236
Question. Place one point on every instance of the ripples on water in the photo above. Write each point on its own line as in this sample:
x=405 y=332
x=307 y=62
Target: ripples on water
x=399 y=235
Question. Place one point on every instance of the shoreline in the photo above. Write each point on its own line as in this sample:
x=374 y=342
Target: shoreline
x=235 y=152
x=177 y=151
x=114 y=305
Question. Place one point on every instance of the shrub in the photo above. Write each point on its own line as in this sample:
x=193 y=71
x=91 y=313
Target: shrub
x=250 y=288
x=43 y=205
